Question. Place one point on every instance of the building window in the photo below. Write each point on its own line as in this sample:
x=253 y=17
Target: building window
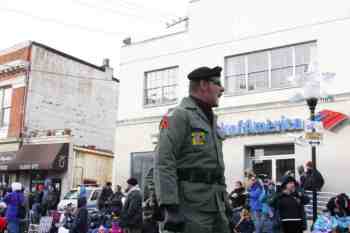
x=160 y=86
x=269 y=69
x=141 y=167
x=5 y=101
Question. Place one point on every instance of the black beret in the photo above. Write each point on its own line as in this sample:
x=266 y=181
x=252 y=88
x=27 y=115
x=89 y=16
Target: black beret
x=132 y=181
x=204 y=73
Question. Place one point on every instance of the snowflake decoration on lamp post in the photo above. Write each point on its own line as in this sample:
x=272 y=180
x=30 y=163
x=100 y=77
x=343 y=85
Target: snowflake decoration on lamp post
x=313 y=83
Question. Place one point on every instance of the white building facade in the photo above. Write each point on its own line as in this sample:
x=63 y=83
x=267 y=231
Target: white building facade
x=259 y=45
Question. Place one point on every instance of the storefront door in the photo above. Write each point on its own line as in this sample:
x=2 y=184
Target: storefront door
x=275 y=167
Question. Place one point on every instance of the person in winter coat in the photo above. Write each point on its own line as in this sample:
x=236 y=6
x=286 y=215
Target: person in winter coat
x=49 y=199
x=36 y=206
x=302 y=176
x=105 y=196
x=131 y=217
x=313 y=178
x=81 y=224
x=255 y=193
x=151 y=214
x=238 y=196
x=339 y=208
x=245 y=224
x=238 y=199
x=14 y=200
x=268 y=213
x=290 y=206
x=117 y=201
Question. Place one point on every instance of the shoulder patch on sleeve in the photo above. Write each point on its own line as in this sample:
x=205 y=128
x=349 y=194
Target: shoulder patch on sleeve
x=164 y=124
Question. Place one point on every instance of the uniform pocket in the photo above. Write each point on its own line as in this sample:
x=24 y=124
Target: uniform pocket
x=200 y=137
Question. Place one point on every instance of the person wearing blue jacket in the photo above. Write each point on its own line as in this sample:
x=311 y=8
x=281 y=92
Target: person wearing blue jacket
x=268 y=213
x=14 y=200
x=255 y=192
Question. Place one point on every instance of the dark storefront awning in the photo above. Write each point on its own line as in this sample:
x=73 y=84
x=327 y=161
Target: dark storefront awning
x=36 y=157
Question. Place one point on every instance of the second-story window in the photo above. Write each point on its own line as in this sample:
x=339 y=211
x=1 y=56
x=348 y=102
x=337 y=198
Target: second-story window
x=5 y=101
x=160 y=86
x=269 y=69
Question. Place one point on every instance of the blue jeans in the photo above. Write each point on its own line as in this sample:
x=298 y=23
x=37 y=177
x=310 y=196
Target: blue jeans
x=267 y=224
x=258 y=221
x=13 y=226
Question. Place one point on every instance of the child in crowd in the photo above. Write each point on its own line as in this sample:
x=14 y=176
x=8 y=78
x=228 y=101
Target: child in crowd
x=3 y=222
x=337 y=217
x=245 y=224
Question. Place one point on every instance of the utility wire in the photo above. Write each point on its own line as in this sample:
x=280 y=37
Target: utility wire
x=60 y=22
x=63 y=74
x=71 y=75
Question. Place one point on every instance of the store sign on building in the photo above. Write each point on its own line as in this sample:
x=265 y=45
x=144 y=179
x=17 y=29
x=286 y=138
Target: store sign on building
x=32 y=166
x=5 y=158
x=251 y=127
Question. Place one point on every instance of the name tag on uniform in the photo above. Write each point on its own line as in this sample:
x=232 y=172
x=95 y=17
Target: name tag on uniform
x=198 y=138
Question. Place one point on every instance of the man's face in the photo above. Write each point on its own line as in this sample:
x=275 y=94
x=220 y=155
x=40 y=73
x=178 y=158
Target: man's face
x=128 y=187
x=213 y=91
x=238 y=185
x=291 y=187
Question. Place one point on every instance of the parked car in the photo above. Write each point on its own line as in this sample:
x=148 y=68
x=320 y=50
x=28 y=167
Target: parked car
x=92 y=194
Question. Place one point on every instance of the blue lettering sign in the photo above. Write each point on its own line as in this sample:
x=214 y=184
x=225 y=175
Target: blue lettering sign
x=250 y=127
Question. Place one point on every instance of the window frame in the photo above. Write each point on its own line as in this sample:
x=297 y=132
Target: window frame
x=162 y=87
x=146 y=155
x=240 y=92
x=3 y=107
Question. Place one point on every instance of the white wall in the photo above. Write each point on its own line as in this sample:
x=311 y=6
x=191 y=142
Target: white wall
x=131 y=138
x=234 y=27
x=83 y=104
x=332 y=156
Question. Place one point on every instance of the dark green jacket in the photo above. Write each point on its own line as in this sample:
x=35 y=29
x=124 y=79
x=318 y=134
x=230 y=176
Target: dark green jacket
x=187 y=140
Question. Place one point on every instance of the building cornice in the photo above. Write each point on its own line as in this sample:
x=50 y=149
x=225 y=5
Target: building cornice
x=237 y=109
x=13 y=67
x=95 y=152
x=15 y=48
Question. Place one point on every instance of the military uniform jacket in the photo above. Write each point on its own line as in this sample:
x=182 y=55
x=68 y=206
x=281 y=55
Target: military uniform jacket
x=188 y=141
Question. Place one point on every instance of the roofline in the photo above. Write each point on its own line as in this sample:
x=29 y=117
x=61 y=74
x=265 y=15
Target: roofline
x=15 y=47
x=94 y=151
x=156 y=38
x=101 y=68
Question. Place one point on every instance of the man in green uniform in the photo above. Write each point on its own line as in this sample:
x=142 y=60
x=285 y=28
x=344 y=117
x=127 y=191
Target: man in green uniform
x=189 y=165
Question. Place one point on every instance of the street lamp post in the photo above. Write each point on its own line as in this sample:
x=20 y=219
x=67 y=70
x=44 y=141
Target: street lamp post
x=314 y=84
x=312 y=102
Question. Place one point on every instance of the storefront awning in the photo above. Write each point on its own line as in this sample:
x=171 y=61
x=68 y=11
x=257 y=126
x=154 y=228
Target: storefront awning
x=36 y=157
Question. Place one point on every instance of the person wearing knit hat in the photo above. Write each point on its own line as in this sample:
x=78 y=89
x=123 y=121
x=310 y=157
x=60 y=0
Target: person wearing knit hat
x=290 y=206
x=286 y=180
x=132 y=181
x=14 y=200
x=131 y=215
x=313 y=178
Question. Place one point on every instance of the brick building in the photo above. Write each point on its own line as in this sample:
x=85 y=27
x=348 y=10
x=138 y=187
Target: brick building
x=51 y=101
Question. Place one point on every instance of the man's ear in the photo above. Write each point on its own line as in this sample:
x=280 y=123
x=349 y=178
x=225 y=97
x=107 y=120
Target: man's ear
x=203 y=84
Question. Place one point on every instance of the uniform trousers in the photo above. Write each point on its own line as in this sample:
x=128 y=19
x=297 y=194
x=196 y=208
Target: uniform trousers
x=205 y=222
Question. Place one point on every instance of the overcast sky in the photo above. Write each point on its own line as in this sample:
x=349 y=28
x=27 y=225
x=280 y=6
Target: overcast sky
x=88 y=29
